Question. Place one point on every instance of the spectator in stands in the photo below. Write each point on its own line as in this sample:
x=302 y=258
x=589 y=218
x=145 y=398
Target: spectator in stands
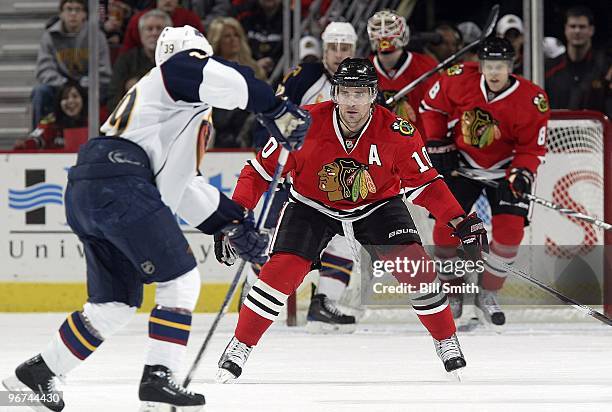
x=263 y=22
x=309 y=50
x=449 y=44
x=511 y=28
x=63 y=55
x=134 y=64
x=577 y=78
x=470 y=32
x=208 y=10
x=115 y=19
x=70 y=112
x=228 y=40
x=180 y=17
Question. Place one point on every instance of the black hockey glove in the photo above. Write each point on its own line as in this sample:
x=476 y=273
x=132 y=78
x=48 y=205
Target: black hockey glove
x=473 y=238
x=444 y=156
x=513 y=187
x=287 y=123
x=224 y=252
x=249 y=243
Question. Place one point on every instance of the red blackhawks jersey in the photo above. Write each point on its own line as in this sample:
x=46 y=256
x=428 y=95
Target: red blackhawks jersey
x=348 y=183
x=410 y=66
x=509 y=130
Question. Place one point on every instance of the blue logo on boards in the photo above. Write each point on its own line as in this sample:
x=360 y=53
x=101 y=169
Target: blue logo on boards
x=35 y=196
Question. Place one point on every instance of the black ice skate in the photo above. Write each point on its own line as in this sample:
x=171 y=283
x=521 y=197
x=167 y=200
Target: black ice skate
x=35 y=376
x=450 y=353
x=325 y=317
x=486 y=301
x=158 y=391
x=232 y=360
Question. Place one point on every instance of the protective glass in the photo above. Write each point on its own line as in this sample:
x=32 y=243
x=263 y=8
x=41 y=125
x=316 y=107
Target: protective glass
x=353 y=95
x=495 y=67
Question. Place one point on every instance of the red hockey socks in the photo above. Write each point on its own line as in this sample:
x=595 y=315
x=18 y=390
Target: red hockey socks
x=278 y=279
x=507 y=235
x=440 y=325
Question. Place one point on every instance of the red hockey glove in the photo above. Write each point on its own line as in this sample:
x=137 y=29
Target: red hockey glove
x=473 y=238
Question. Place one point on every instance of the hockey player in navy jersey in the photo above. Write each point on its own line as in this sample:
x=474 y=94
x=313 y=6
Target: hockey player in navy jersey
x=121 y=199
x=310 y=83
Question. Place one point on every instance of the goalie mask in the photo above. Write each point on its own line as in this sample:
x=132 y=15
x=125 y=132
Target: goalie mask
x=387 y=31
x=173 y=40
x=355 y=82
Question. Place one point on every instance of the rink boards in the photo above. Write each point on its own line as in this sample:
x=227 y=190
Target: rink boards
x=43 y=266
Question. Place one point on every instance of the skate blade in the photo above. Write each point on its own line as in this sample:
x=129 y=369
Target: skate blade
x=317 y=327
x=456 y=375
x=13 y=384
x=224 y=376
x=147 y=406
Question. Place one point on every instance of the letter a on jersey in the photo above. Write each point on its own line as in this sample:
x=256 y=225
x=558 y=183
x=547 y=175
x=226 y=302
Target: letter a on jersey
x=374 y=159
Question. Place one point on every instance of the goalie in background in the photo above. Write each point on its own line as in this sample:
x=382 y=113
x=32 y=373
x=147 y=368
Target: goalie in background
x=121 y=200
x=395 y=66
x=481 y=116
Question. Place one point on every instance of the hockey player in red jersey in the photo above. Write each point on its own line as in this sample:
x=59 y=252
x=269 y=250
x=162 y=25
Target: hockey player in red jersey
x=395 y=66
x=347 y=179
x=497 y=125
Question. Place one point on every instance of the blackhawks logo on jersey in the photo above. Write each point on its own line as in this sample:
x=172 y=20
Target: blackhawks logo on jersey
x=403 y=127
x=455 y=70
x=346 y=179
x=479 y=128
x=541 y=103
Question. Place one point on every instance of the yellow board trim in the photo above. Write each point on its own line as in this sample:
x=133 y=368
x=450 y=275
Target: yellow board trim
x=339 y=268
x=79 y=336
x=170 y=324
x=69 y=297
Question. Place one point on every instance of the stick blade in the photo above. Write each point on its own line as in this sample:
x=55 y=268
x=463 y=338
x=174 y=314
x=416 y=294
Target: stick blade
x=491 y=21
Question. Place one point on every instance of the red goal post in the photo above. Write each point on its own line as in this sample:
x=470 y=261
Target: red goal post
x=583 y=139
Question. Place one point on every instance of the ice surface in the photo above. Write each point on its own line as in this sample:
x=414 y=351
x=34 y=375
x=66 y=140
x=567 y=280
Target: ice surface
x=538 y=367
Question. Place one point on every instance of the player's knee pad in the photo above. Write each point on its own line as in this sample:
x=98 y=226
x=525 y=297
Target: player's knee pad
x=285 y=271
x=508 y=229
x=411 y=265
x=107 y=318
x=180 y=293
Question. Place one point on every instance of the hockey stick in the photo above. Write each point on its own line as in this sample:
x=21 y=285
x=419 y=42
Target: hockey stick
x=489 y=26
x=538 y=200
x=282 y=159
x=567 y=300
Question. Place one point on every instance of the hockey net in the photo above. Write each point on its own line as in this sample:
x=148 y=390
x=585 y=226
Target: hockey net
x=563 y=252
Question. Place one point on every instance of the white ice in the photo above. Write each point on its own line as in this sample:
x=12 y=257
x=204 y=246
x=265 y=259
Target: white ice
x=537 y=367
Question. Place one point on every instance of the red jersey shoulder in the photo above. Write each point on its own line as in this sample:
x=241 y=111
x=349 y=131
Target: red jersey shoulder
x=534 y=94
x=317 y=108
x=390 y=127
x=424 y=61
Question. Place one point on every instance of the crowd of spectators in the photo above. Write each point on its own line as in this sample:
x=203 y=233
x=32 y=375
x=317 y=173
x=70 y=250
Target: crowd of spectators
x=249 y=32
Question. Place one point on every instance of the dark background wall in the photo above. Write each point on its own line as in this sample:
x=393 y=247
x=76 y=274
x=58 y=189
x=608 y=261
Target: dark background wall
x=478 y=10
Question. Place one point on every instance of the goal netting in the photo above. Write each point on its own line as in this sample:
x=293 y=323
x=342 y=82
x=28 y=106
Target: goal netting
x=566 y=253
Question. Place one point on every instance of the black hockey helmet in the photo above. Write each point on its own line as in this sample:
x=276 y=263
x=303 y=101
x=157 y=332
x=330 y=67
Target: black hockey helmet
x=355 y=72
x=496 y=48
